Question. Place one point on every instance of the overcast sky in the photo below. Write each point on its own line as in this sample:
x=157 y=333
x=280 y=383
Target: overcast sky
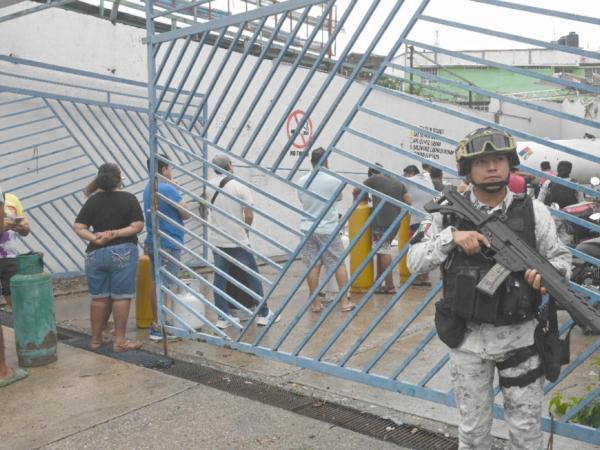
x=521 y=23
x=486 y=16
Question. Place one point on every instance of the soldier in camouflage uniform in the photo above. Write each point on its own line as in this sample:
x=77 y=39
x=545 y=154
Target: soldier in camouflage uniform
x=487 y=332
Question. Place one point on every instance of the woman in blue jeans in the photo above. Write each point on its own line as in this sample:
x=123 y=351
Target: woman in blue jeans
x=110 y=220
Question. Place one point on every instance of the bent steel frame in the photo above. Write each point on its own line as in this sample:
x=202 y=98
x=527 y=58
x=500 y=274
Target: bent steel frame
x=261 y=107
x=54 y=136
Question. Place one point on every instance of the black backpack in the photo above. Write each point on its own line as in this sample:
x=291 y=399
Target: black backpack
x=563 y=195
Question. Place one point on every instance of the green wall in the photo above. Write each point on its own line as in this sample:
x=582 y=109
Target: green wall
x=489 y=78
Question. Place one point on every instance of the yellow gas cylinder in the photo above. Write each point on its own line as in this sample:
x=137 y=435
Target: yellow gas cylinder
x=403 y=238
x=359 y=252
x=143 y=293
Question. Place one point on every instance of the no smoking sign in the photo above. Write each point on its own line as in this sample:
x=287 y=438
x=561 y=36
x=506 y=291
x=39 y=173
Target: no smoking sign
x=305 y=135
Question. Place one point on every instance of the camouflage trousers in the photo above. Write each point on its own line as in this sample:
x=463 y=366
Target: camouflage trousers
x=472 y=380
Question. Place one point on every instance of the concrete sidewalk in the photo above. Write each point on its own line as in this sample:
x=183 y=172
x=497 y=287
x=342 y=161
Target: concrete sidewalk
x=73 y=313
x=85 y=400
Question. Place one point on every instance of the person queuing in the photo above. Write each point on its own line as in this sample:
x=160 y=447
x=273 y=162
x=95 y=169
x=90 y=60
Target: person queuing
x=436 y=175
x=15 y=225
x=110 y=221
x=232 y=239
x=8 y=375
x=171 y=244
x=419 y=198
x=552 y=192
x=393 y=188
x=326 y=186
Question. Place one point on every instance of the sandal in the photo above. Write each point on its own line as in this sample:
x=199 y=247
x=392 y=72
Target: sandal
x=95 y=345
x=17 y=374
x=316 y=309
x=126 y=346
x=108 y=336
x=386 y=290
x=348 y=307
x=109 y=327
x=324 y=299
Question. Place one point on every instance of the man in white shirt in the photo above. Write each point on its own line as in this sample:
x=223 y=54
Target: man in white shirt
x=232 y=199
x=420 y=198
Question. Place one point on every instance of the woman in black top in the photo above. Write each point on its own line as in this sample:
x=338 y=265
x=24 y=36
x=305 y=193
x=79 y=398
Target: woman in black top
x=110 y=220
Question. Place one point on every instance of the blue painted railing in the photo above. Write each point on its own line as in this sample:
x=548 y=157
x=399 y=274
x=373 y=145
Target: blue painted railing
x=204 y=100
x=341 y=105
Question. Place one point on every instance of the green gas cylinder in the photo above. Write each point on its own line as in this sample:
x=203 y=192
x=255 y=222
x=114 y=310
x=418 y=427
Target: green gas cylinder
x=33 y=312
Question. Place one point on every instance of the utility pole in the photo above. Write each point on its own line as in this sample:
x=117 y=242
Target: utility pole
x=411 y=51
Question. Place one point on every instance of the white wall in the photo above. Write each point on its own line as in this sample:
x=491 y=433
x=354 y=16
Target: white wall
x=89 y=43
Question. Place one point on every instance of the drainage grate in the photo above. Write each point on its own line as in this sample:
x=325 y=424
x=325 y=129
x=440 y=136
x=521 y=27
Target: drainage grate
x=342 y=416
x=138 y=358
x=345 y=417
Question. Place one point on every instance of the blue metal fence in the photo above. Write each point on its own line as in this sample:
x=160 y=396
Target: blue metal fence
x=55 y=134
x=269 y=166
x=242 y=79
x=255 y=93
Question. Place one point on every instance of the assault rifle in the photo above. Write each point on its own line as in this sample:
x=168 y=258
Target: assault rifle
x=512 y=254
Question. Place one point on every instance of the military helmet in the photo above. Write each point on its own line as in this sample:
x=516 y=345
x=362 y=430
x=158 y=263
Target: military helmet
x=482 y=142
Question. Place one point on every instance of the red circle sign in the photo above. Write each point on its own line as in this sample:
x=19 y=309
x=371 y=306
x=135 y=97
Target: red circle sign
x=305 y=135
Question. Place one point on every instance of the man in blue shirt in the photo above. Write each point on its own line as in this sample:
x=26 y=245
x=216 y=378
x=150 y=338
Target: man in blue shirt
x=324 y=185
x=172 y=244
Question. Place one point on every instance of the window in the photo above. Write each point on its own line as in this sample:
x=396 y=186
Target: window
x=430 y=70
x=592 y=75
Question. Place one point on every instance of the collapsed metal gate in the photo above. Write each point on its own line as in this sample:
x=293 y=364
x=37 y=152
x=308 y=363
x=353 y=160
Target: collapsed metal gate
x=271 y=96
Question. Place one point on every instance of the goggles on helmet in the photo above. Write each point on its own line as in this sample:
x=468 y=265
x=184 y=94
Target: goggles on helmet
x=477 y=145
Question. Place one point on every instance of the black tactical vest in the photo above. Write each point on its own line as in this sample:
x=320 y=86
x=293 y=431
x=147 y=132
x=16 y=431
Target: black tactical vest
x=515 y=301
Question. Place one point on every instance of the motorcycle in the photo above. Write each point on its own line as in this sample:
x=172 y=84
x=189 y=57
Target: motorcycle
x=575 y=233
x=583 y=272
x=571 y=233
x=586 y=241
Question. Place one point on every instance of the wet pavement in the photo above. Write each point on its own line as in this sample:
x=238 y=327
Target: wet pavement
x=73 y=313
x=88 y=401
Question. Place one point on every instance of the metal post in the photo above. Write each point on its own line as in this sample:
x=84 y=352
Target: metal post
x=403 y=238
x=205 y=176
x=411 y=51
x=152 y=144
